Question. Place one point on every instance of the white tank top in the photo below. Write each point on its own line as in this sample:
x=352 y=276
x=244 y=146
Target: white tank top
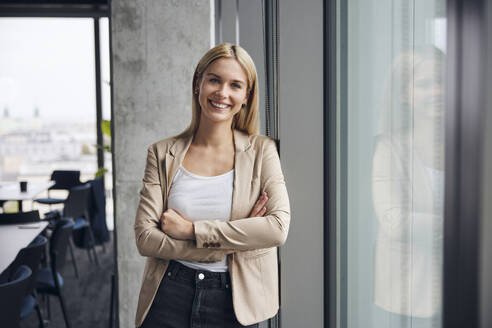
x=197 y=198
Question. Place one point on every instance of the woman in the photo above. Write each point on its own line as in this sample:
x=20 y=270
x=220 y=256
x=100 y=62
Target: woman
x=408 y=191
x=213 y=208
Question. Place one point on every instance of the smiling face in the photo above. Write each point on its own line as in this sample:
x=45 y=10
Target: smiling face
x=222 y=90
x=428 y=91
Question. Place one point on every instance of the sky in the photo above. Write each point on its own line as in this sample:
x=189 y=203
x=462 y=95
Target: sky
x=48 y=63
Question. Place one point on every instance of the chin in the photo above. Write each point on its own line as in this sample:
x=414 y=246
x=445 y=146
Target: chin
x=215 y=117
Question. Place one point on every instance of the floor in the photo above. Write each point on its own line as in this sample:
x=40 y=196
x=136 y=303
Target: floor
x=88 y=297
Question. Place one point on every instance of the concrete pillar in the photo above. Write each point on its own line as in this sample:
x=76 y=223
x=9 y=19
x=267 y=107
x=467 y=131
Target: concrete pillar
x=155 y=48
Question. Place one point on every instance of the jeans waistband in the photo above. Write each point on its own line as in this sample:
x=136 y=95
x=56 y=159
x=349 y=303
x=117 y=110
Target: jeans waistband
x=203 y=278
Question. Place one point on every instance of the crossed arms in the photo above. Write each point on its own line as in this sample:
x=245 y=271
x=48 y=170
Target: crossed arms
x=267 y=225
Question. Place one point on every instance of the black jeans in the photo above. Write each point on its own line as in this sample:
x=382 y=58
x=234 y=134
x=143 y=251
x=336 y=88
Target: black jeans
x=189 y=298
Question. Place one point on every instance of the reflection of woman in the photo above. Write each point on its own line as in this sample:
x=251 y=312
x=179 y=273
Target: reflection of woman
x=209 y=236
x=408 y=182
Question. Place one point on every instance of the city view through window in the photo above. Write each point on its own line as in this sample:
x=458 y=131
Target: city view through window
x=48 y=101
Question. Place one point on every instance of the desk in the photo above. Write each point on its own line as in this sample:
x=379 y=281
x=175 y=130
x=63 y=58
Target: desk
x=11 y=191
x=13 y=239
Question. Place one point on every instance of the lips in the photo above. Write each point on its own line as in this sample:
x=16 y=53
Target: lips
x=218 y=105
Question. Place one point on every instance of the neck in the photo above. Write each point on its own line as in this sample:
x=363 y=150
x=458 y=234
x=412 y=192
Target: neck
x=213 y=135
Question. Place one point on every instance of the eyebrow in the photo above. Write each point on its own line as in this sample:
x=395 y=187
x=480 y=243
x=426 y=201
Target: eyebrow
x=218 y=76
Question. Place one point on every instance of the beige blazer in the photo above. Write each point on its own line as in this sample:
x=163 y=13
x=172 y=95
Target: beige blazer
x=253 y=267
x=408 y=254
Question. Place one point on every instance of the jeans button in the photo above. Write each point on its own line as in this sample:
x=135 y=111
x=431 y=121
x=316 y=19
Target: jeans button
x=201 y=276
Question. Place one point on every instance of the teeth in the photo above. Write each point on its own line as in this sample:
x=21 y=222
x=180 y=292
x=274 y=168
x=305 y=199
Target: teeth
x=219 y=105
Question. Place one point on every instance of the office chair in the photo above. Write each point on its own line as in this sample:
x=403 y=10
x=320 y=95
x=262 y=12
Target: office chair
x=31 y=257
x=49 y=280
x=11 y=295
x=64 y=180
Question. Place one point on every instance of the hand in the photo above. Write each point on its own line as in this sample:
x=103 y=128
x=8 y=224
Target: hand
x=259 y=209
x=176 y=226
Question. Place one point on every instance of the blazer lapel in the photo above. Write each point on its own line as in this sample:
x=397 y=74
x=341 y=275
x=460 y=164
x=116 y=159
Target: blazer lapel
x=243 y=164
x=174 y=158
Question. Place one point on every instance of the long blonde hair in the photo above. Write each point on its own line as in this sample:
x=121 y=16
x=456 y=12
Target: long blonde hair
x=247 y=119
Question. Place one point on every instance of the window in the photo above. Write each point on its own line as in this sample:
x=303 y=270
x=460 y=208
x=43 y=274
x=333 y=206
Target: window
x=391 y=173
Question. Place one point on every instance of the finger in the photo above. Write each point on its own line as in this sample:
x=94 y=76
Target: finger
x=262 y=212
x=262 y=203
x=254 y=212
x=262 y=200
x=258 y=205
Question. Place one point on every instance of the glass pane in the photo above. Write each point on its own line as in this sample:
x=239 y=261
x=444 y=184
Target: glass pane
x=106 y=115
x=47 y=99
x=393 y=129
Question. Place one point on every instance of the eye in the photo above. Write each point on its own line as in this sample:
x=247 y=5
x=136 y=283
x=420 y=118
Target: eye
x=214 y=80
x=236 y=85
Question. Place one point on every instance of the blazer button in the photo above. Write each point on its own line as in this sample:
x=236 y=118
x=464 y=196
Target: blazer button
x=205 y=245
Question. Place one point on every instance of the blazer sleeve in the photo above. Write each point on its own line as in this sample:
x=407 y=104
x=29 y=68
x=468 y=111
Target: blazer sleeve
x=255 y=232
x=150 y=239
x=392 y=191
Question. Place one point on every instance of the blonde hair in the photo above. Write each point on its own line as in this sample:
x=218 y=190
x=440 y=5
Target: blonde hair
x=396 y=116
x=247 y=119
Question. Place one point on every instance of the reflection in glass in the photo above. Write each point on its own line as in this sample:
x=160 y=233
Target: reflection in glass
x=391 y=169
x=407 y=186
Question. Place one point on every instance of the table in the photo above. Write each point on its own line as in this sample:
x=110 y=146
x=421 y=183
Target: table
x=14 y=237
x=11 y=191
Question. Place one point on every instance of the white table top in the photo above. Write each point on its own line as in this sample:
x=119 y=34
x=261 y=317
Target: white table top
x=11 y=190
x=13 y=239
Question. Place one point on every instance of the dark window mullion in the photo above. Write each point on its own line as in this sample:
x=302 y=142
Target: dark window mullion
x=464 y=112
x=97 y=66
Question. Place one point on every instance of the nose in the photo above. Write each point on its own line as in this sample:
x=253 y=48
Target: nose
x=221 y=91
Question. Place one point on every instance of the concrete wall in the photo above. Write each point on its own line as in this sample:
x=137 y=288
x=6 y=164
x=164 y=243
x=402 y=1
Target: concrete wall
x=155 y=47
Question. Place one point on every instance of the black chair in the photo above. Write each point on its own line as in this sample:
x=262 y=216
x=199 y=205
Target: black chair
x=11 y=295
x=19 y=217
x=77 y=207
x=64 y=180
x=31 y=257
x=49 y=281
x=97 y=214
